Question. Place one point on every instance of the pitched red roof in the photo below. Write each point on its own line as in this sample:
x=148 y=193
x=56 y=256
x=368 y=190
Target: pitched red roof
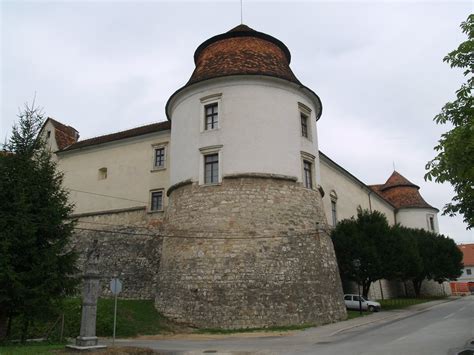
x=242 y=50
x=134 y=132
x=401 y=193
x=65 y=135
x=467 y=254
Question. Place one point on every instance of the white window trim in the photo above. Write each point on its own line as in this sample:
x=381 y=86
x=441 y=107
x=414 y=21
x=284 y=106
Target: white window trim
x=154 y=148
x=310 y=158
x=333 y=199
x=207 y=151
x=162 y=201
x=305 y=110
x=206 y=100
x=428 y=216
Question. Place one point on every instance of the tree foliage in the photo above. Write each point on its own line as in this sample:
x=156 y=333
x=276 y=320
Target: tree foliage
x=455 y=160
x=36 y=266
x=441 y=259
x=368 y=249
x=358 y=243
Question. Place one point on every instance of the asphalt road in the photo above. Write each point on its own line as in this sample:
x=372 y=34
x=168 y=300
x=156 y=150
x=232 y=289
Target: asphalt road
x=442 y=329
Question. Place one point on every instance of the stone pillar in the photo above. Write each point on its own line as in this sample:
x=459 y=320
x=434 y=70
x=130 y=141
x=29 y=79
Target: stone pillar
x=90 y=293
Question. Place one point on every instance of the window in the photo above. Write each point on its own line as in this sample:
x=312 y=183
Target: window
x=156 y=201
x=211 y=168
x=333 y=197
x=160 y=157
x=308 y=174
x=304 y=125
x=48 y=134
x=210 y=116
x=468 y=272
x=431 y=223
x=102 y=173
x=348 y=298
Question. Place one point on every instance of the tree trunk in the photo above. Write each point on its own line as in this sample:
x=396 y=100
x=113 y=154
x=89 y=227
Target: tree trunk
x=417 y=287
x=3 y=323
x=24 y=330
x=366 y=288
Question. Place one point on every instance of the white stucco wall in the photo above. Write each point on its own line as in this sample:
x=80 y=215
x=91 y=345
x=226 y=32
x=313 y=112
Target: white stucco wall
x=350 y=195
x=259 y=129
x=130 y=174
x=51 y=141
x=417 y=218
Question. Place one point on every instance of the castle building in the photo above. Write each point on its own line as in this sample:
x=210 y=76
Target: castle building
x=223 y=212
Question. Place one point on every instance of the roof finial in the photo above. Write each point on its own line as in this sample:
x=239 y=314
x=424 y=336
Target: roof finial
x=393 y=162
x=241 y=13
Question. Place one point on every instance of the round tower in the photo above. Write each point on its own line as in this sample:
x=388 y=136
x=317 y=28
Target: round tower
x=247 y=242
x=411 y=209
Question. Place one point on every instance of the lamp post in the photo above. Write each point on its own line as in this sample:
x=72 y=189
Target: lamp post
x=356 y=263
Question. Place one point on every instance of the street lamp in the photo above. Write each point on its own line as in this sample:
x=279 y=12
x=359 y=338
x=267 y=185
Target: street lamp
x=356 y=263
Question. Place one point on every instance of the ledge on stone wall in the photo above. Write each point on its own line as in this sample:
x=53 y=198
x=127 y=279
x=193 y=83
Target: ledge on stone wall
x=178 y=185
x=99 y=213
x=261 y=176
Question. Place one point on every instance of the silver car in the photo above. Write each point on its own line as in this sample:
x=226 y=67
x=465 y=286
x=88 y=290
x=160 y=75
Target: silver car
x=352 y=302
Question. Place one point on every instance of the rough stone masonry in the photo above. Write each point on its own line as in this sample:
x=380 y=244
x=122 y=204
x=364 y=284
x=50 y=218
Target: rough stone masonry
x=251 y=252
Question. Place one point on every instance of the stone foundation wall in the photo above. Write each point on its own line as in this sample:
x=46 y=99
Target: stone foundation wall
x=128 y=245
x=251 y=252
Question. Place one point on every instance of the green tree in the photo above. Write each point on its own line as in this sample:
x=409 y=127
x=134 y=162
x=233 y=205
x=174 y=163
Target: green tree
x=441 y=259
x=402 y=260
x=36 y=267
x=455 y=160
x=359 y=244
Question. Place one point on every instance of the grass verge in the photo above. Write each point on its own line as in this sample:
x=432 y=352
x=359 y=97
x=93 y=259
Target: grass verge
x=134 y=317
x=30 y=349
x=252 y=330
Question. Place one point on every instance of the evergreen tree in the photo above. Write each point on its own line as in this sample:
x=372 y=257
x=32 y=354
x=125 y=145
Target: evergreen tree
x=37 y=268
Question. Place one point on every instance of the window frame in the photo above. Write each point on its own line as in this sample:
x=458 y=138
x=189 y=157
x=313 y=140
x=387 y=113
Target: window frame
x=207 y=151
x=305 y=111
x=308 y=173
x=311 y=160
x=102 y=173
x=156 y=191
x=430 y=220
x=155 y=148
x=206 y=101
x=333 y=199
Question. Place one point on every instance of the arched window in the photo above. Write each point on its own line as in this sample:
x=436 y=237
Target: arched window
x=333 y=197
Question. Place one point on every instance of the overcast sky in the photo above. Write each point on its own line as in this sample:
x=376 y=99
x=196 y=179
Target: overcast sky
x=105 y=66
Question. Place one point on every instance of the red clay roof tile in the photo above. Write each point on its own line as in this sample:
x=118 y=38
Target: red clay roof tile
x=401 y=193
x=134 y=132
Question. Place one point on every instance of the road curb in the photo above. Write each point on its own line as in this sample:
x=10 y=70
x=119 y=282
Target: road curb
x=397 y=316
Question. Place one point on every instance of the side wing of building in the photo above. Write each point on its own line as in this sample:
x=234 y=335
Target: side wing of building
x=344 y=194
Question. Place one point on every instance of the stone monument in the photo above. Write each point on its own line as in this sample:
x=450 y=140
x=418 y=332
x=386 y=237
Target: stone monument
x=87 y=339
